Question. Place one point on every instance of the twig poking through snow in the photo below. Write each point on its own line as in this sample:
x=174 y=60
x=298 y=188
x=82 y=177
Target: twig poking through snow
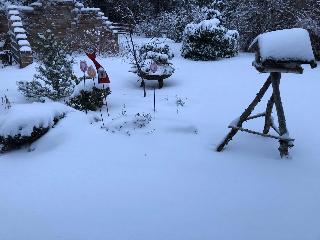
x=179 y=103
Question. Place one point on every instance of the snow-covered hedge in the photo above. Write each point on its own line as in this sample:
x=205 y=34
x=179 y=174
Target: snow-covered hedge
x=209 y=40
x=154 y=59
x=89 y=95
x=22 y=124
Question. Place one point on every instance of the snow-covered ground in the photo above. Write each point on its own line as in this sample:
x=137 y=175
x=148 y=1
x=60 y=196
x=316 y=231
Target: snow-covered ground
x=166 y=181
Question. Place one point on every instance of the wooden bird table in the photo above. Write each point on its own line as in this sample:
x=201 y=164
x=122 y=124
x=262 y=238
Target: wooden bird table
x=275 y=66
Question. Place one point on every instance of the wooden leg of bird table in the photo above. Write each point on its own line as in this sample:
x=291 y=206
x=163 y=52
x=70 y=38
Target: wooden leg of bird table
x=268 y=117
x=160 y=83
x=284 y=145
x=245 y=114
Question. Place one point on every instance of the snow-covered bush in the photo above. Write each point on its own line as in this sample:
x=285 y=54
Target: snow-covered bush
x=89 y=95
x=171 y=24
x=55 y=79
x=209 y=40
x=22 y=124
x=154 y=59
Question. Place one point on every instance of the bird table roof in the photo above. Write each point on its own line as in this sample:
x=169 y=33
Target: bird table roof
x=288 y=45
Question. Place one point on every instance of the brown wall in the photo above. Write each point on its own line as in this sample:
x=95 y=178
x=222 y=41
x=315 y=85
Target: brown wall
x=3 y=22
x=81 y=30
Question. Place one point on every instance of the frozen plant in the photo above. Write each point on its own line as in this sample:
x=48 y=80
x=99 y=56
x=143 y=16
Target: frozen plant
x=142 y=120
x=5 y=104
x=124 y=111
x=179 y=103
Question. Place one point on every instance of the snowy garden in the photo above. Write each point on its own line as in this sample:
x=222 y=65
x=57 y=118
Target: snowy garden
x=164 y=140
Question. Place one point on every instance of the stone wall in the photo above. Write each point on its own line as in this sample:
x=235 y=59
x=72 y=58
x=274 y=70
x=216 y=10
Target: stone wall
x=56 y=17
x=3 y=22
x=83 y=29
x=92 y=32
x=19 y=45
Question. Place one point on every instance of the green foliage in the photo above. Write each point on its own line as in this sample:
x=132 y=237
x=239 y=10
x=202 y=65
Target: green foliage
x=209 y=40
x=9 y=143
x=55 y=78
x=89 y=100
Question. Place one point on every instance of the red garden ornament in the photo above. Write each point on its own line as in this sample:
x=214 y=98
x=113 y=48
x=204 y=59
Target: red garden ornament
x=103 y=77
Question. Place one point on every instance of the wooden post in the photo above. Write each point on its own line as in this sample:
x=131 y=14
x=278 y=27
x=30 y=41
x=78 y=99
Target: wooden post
x=154 y=100
x=160 y=83
x=284 y=145
x=268 y=117
x=246 y=114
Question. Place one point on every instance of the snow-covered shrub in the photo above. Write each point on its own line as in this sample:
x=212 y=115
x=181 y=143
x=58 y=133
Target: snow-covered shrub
x=55 y=79
x=171 y=24
x=209 y=40
x=89 y=95
x=22 y=124
x=154 y=59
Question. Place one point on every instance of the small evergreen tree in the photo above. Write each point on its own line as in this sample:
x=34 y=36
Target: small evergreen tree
x=55 y=78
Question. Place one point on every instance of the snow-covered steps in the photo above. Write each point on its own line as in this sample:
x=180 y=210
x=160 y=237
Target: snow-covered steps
x=20 y=46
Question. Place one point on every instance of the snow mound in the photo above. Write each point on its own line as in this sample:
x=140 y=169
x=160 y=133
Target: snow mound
x=21 y=119
x=285 y=45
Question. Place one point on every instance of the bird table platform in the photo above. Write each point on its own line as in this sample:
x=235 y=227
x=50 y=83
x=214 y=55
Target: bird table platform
x=282 y=51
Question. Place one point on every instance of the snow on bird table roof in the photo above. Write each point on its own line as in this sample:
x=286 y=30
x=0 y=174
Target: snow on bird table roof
x=285 y=45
